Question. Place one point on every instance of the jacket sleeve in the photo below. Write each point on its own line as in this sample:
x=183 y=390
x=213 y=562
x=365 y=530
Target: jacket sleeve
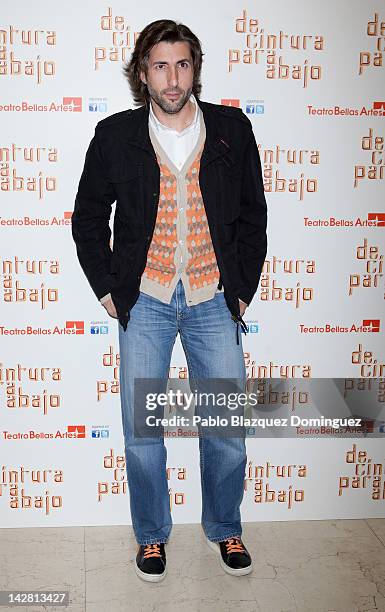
x=105 y=298
x=252 y=237
x=90 y=220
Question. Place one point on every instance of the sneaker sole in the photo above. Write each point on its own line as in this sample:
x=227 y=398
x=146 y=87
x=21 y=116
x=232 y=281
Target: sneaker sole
x=150 y=577
x=242 y=571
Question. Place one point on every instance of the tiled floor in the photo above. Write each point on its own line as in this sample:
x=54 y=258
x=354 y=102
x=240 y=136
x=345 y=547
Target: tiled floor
x=312 y=566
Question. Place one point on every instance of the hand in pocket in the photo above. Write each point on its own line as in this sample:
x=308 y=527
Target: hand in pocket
x=110 y=307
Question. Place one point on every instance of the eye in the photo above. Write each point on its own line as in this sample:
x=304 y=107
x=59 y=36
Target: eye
x=184 y=64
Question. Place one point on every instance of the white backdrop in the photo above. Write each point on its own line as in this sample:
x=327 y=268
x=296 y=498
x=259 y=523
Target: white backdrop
x=310 y=76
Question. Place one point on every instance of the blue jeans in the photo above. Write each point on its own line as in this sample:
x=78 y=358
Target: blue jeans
x=208 y=337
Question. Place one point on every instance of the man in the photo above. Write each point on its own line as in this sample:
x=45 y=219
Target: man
x=188 y=249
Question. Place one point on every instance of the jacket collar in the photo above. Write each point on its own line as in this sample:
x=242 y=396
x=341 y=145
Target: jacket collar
x=215 y=144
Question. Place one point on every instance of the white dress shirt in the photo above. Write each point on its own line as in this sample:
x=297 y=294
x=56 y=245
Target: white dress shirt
x=178 y=145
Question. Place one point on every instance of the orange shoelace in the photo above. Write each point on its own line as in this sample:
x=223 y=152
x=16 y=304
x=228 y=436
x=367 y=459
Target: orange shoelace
x=234 y=545
x=151 y=550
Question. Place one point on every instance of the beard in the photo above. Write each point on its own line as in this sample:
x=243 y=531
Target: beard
x=169 y=106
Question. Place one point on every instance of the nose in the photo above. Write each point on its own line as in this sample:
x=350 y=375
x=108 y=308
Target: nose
x=172 y=76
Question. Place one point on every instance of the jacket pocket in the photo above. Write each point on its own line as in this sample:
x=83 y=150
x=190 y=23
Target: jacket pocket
x=122 y=173
x=128 y=186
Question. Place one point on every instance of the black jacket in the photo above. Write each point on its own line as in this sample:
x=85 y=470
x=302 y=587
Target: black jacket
x=121 y=165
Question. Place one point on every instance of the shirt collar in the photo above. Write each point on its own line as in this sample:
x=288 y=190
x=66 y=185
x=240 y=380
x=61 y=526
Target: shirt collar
x=157 y=125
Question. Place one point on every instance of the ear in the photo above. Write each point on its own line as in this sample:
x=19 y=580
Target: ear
x=143 y=77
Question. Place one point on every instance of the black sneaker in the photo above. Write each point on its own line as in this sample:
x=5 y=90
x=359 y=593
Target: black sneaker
x=234 y=556
x=150 y=563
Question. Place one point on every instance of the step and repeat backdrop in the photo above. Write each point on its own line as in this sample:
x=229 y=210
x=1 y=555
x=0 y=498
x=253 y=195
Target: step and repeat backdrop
x=310 y=77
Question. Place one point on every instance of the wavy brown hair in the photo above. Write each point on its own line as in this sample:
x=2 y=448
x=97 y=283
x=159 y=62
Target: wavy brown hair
x=154 y=33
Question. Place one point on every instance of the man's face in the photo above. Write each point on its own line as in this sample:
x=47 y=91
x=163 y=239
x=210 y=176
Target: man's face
x=169 y=75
